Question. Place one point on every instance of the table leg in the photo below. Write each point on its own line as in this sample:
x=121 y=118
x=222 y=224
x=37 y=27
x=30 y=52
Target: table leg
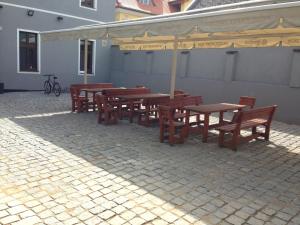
x=94 y=101
x=205 y=128
x=87 y=101
x=131 y=111
x=221 y=118
x=187 y=123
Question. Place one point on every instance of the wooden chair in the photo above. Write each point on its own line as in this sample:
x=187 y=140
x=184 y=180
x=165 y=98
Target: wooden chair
x=186 y=101
x=170 y=128
x=248 y=101
x=79 y=103
x=244 y=100
x=172 y=115
x=249 y=119
x=149 y=112
x=106 y=112
x=180 y=92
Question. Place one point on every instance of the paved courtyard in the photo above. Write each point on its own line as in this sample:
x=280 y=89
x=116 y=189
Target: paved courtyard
x=58 y=167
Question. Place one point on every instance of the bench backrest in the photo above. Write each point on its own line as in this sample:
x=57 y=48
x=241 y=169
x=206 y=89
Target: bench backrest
x=265 y=113
x=128 y=91
x=248 y=101
x=156 y=101
x=75 y=88
x=93 y=85
x=180 y=102
x=75 y=92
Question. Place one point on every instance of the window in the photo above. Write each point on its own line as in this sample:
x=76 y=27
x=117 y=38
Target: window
x=92 y=4
x=146 y=2
x=28 y=51
x=91 y=57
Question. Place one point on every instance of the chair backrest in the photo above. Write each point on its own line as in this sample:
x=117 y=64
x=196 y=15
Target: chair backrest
x=75 y=88
x=93 y=85
x=75 y=92
x=102 y=103
x=166 y=113
x=265 y=113
x=128 y=91
x=156 y=101
x=248 y=101
x=179 y=103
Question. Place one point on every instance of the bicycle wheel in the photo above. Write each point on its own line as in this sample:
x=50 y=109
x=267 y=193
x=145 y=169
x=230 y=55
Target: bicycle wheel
x=47 y=87
x=56 y=89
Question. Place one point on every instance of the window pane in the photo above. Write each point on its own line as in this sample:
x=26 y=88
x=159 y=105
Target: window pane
x=87 y=3
x=22 y=37
x=28 y=52
x=90 y=56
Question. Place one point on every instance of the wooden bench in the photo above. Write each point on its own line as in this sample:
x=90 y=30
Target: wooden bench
x=79 y=102
x=249 y=119
x=171 y=118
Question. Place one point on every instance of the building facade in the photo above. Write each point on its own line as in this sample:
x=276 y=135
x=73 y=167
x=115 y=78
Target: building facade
x=199 y=4
x=24 y=58
x=134 y=9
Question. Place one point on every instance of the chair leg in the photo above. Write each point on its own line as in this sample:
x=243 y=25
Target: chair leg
x=73 y=106
x=234 y=141
x=79 y=106
x=106 y=118
x=221 y=139
x=254 y=131
x=99 y=117
x=115 y=117
x=171 y=135
x=267 y=133
x=161 y=132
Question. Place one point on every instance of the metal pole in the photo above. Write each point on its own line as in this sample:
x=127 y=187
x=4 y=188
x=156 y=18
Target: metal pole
x=174 y=69
x=85 y=60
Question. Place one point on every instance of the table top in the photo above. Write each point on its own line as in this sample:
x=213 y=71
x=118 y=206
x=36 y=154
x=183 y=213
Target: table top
x=94 y=90
x=211 y=108
x=143 y=96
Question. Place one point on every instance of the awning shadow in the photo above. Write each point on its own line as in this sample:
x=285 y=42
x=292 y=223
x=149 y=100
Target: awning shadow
x=189 y=177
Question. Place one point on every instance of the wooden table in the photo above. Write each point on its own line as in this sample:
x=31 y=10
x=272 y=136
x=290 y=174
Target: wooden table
x=132 y=98
x=206 y=110
x=94 y=91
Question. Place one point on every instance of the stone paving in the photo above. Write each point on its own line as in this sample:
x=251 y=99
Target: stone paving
x=58 y=167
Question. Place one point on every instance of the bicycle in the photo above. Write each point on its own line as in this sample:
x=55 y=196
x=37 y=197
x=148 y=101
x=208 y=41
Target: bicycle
x=52 y=85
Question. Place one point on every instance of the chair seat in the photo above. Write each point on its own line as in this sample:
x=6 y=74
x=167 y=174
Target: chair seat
x=176 y=123
x=142 y=111
x=179 y=115
x=244 y=125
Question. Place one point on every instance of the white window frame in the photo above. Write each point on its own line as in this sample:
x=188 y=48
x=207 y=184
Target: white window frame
x=38 y=51
x=95 y=8
x=80 y=72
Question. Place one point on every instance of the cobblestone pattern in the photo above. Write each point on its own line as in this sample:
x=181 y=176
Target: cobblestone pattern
x=58 y=167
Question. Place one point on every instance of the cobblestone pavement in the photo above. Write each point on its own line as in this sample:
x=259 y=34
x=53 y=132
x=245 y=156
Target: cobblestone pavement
x=58 y=167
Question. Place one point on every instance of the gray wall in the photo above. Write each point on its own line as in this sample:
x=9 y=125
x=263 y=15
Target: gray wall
x=104 y=12
x=272 y=75
x=59 y=57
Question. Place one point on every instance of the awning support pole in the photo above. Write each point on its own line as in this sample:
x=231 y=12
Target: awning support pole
x=174 y=69
x=85 y=60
